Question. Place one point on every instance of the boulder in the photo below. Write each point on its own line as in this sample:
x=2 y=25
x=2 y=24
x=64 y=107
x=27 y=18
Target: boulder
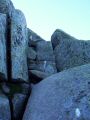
x=3 y=64
x=36 y=76
x=45 y=51
x=19 y=102
x=19 y=47
x=58 y=36
x=70 y=52
x=42 y=57
x=33 y=38
x=6 y=7
x=26 y=88
x=31 y=54
x=63 y=96
x=5 y=113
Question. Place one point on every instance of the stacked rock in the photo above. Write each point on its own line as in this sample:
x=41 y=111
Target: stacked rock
x=41 y=60
x=26 y=59
x=14 y=82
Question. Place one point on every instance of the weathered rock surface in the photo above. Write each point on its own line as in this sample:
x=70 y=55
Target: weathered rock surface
x=19 y=47
x=40 y=56
x=3 y=64
x=63 y=96
x=31 y=53
x=4 y=108
x=6 y=7
x=26 y=89
x=5 y=88
x=25 y=56
x=33 y=38
x=69 y=52
x=19 y=102
x=44 y=66
x=36 y=76
x=58 y=36
x=44 y=51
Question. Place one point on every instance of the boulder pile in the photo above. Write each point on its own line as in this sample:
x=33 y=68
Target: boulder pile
x=39 y=79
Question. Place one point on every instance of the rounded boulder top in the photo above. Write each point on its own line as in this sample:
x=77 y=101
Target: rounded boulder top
x=6 y=7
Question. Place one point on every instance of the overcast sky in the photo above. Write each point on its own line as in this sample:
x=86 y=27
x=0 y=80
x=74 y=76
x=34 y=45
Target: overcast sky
x=44 y=16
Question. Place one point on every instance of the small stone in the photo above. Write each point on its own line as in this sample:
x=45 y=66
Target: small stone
x=5 y=88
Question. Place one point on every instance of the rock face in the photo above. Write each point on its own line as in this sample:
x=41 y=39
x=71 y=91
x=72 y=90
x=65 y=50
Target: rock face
x=18 y=105
x=33 y=38
x=3 y=70
x=26 y=59
x=58 y=36
x=44 y=51
x=4 y=108
x=37 y=76
x=63 y=96
x=40 y=55
x=19 y=47
x=69 y=52
x=6 y=7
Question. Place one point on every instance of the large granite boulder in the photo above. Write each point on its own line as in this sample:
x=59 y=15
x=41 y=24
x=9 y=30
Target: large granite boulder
x=5 y=113
x=19 y=47
x=6 y=7
x=59 y=35
x=69 y=52
x=63 y=96
x=3 y=64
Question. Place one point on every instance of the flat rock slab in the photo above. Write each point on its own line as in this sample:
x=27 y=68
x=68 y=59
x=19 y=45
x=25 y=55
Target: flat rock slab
x=3 y=64
x=63 y=96
x=18 y=47
x=4 y=108
x=36 y=76
x=44 y=66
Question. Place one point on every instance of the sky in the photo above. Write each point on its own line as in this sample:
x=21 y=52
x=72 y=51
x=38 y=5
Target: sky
x=45 y=16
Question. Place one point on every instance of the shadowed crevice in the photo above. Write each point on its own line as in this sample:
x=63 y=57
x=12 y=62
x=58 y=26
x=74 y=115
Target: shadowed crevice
x=8 y=48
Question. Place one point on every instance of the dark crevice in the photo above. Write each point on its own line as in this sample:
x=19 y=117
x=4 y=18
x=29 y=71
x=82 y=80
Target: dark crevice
x=20 y=116
x=8 y=48
x=2 y=77
x=8 y=56
x=14 y=82
x=24 y=106
x=11 y=108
